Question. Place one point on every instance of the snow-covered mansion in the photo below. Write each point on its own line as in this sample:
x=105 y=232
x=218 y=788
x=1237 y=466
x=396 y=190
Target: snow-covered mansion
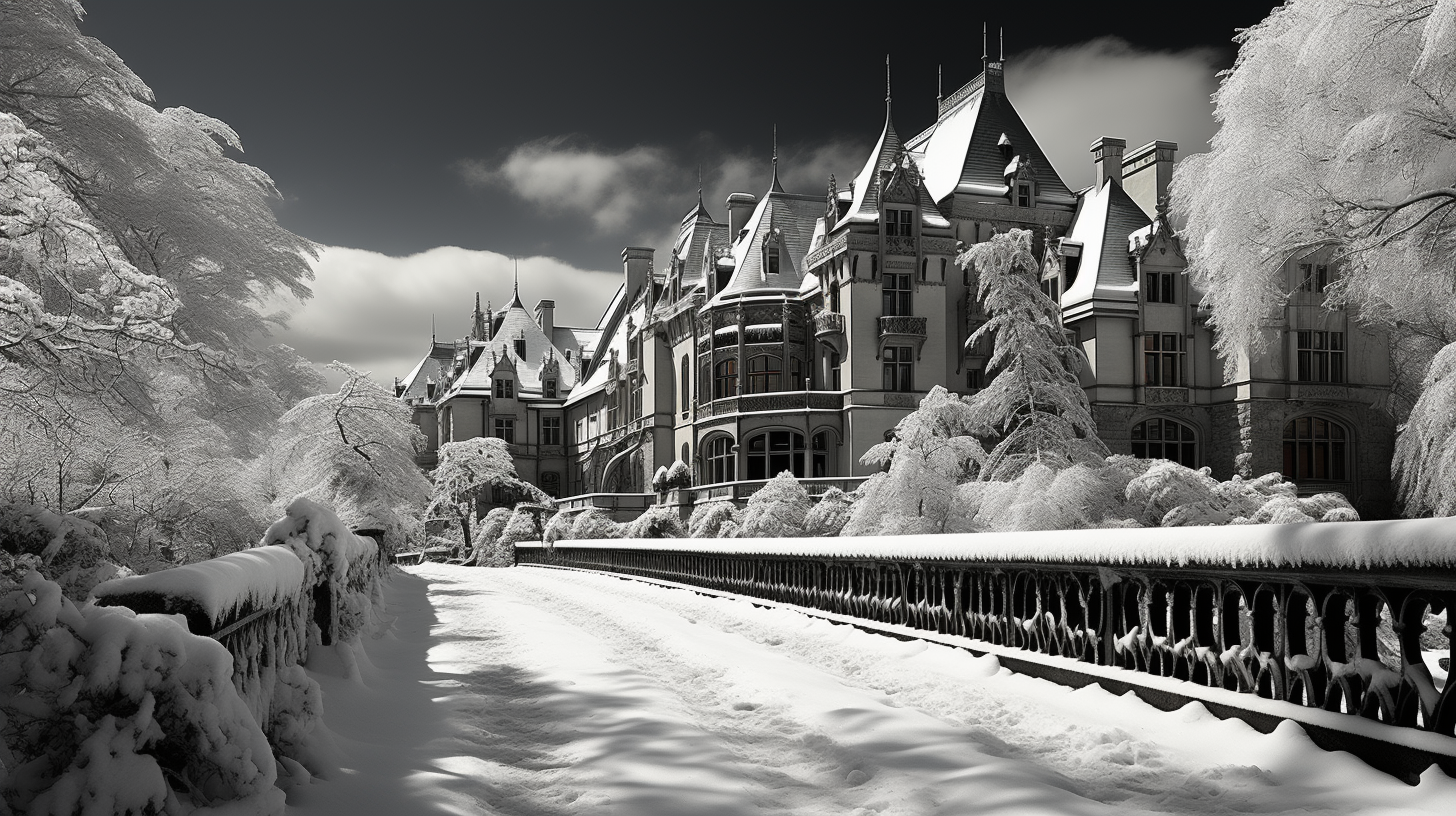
x=795 y=332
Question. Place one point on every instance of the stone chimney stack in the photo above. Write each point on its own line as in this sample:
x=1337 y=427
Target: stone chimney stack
x=546 y=318
x=1146 y=172
x=636 y=264
x=1107 y=158
x=740 y=207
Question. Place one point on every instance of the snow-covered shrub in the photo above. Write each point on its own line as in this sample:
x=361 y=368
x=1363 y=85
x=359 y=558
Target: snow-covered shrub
x=592 y=524
x=659 y=480
x=522 y=526
x=679 y=476
x=353 y=565
x=558 y=528
x=708 y=520
x=828 y=515
x=107 y=711
x=657 y=521
x=72 y=551
x=483 y=550
x=776 y=510
x=1171 y=495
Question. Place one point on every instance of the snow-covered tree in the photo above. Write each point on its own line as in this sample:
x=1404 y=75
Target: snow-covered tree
x=1335 y=135
x=352 y=450
x=1425 y=456
x=658 y=521
x=467 y=472
x=1033 y=403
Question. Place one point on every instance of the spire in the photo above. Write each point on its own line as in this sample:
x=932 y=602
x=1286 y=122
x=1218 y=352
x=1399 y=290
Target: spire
x=700 y=186
x=887 y=86
x=1002 y=31
x=939 y=70
x=776 y=187
x=432 y=328
x=516 y=288
x=984 y=50
x=477 y=321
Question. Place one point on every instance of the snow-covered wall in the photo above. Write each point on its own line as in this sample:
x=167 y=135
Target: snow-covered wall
x=212 y=593
x=1356 y=544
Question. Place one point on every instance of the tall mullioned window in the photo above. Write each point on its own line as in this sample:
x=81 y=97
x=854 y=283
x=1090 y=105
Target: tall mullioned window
x=505 y=430
x=1158 y=287
x=1165 y=439
x=765 y=374
x=550 y=430
x=1163 y=360
x=1314 y=277
x=1320 y=356
x=898 y=222
x=720 y=460
x=898 y=368
x=897 y=294
x=725 y=379
x=1315 y=450
x=774 y=452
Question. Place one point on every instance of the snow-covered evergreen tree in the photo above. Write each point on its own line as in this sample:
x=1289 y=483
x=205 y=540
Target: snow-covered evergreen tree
x=1033 y=403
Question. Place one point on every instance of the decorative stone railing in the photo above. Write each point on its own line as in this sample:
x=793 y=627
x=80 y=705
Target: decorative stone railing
x=827 y=323
x=902 y=326
x=899 y=245
x=1339 y=617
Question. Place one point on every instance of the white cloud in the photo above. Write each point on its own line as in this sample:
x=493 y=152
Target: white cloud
x=1070 y=96
x=374 y=311
x=641 y=193
x=558 y=175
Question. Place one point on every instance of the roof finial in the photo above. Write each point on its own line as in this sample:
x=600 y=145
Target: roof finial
x=984 y=49
x=700 y=184
x=776 y=186
x=939 y=70
x=1002 y=31
x=516 y=286
x=432 y=327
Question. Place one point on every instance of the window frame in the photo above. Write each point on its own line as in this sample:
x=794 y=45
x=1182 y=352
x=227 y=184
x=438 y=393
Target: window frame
x=1151 y=436
x=504 y=429
x=725 y=378
x=896 y=294
x=1319 y=356
x=898 y=369
x=550 y=430
x=505 y=388
x=1161 y=363
x=1317 y=449
x=720 y=460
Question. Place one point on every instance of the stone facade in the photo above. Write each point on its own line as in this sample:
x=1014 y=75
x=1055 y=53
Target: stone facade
x=795 y=333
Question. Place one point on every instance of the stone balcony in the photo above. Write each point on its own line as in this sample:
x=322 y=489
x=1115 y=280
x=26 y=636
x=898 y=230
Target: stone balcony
x=829 y=330
x=901 y=330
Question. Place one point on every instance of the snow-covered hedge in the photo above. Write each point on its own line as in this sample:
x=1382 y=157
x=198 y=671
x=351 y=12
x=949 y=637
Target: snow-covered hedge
x=107 y=711
x=215 y=592
x=1361 y=544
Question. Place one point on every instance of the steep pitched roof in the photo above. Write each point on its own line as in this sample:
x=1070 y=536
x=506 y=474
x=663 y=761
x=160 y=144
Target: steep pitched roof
x=781 y=218
x=698 y=228
x=432 y=366
x=960 y=152
x=1105 y=220
x=511 y=324
x=596 y=377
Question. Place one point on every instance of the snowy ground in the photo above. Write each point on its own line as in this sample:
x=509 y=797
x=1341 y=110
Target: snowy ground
x=533 y=691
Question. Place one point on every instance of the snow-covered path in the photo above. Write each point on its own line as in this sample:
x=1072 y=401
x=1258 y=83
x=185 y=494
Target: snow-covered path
x=533 y=691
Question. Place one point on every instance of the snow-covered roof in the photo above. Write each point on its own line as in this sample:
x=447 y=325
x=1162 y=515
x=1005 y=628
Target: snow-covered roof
x=596 y=378
x=514 y=323
x=961 y=152
x=433 y=366
x=782 y=218
x=1103 y=224
x=697 y=230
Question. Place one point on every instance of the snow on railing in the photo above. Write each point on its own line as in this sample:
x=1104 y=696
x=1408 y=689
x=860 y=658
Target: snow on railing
x=1346 y=617
x=310 y=582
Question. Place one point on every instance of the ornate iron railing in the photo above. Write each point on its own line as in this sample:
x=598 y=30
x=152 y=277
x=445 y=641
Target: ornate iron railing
x=1361 y=638
x=826 y=323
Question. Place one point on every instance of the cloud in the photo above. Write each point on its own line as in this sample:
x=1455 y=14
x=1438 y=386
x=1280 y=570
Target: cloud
x=641 y=193
x=559 y=175
x=374 y=311
x=1070 y=96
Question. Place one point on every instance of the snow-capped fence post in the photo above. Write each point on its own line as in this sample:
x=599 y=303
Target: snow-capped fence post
x=1333 y=625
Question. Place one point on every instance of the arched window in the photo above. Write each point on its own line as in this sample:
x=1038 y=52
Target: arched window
x=725 y=379
x=774 y=452
x=686 y=386
x=1165 y=439
x=1315 y=449
x=720 y=460
x=765 y=374
x=820 y=466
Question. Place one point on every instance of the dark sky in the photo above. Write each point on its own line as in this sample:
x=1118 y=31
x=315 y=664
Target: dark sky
x=569 y=130
x=361 y=111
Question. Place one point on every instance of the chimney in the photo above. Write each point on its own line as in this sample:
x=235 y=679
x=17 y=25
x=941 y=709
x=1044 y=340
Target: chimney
x=637 y=265
x=1146 y=172
x=398 y=388
x=546 y=318
x=740 y=207
x=1107 y=158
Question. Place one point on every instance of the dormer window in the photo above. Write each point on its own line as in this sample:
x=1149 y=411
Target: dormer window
x=549 y=389
x=771 y=260
x=1023 y=194
x=505 y=388
x=520 y=347
x=898 y=222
